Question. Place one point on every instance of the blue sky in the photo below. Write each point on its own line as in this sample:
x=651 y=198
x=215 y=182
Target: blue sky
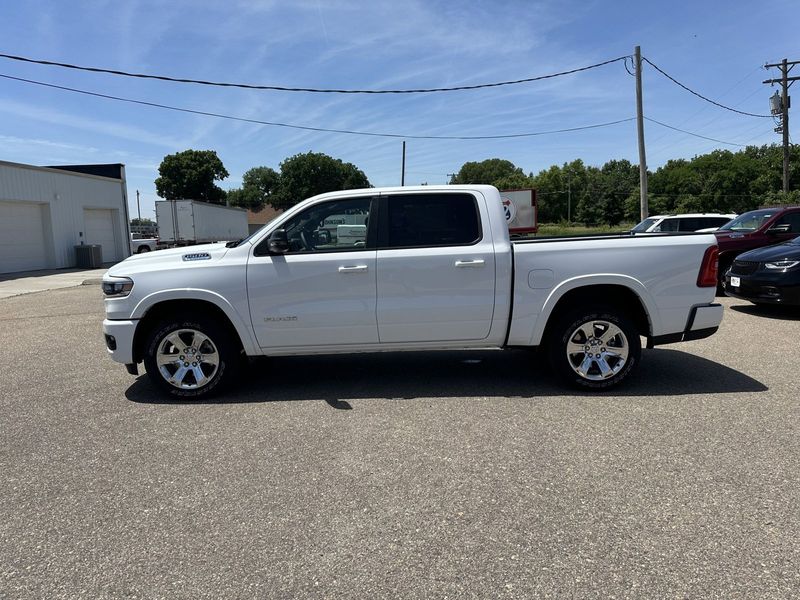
x=715 y=47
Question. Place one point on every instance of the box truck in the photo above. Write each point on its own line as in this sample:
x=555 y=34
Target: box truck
x=186 y=222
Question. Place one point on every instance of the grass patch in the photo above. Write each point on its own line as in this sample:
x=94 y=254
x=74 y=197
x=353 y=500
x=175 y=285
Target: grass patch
x=566 y=230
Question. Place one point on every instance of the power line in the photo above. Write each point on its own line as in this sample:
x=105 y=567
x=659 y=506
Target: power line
x=691 y=91
x=706 y=107
x=694 y=134
x=308 y=128
x=280 y=88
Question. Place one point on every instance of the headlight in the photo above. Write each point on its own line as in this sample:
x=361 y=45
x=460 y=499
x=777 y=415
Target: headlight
x=782 y=264
x=119 y=288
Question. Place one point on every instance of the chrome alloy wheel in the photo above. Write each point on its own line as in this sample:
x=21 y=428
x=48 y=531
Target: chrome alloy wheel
x=597 y=350
x=187 y=359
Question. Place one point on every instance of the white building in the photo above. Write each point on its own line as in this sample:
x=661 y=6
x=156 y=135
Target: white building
x=46 y=211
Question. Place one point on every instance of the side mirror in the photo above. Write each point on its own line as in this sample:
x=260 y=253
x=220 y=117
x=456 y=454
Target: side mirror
x=278 y=242
x=775 y=230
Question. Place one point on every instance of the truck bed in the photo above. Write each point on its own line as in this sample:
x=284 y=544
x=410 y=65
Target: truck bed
x=661 y=269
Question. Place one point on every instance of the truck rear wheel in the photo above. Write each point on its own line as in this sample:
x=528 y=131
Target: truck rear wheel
x=594 y=348
x=143 y=249
x=191 y=357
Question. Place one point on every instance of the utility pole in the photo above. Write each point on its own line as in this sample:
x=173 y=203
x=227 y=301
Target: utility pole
x=403 y=167
x=786 y=82
x=637 y=58
x=138 y=208
x=569 y=199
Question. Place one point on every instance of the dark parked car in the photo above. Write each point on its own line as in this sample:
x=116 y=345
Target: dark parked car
x=767 y=275
x=756 y=229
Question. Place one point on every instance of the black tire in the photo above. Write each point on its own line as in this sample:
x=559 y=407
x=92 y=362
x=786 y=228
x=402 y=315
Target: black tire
x=609 y=367
x=218 y=343
x=143 y=249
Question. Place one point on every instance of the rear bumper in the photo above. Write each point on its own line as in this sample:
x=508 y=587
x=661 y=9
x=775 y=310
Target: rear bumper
x=119 y=339
x=704 y=321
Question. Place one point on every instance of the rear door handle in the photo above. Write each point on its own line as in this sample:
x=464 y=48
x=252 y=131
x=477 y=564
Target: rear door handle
x=477 y=262
x=353 y=269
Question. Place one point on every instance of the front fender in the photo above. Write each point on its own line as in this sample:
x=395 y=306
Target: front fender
x=241 y=325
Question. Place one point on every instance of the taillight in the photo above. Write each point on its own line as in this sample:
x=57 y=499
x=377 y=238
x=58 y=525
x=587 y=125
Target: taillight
x=707 y=277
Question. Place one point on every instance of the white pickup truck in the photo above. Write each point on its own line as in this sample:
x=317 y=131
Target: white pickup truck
x=140 y=244
x=409 y=268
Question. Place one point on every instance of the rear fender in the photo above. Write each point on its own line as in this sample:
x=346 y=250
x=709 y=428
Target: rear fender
x=648 y=303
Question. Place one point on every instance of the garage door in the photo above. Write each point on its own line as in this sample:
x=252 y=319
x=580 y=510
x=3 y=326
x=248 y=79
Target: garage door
x=22 y=246
x=99 y=225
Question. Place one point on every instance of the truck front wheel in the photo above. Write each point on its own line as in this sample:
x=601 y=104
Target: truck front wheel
x=190 y=357
x=594 y=348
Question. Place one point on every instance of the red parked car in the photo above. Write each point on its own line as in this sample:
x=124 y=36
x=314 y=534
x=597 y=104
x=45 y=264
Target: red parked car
x=755 y=229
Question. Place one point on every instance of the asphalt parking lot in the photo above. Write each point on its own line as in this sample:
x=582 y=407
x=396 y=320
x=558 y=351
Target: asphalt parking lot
x=427 y=475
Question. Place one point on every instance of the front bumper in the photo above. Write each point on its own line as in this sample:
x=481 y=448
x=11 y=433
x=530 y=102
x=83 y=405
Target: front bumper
x=704 y=320
x=119 y=339
x=769 y=288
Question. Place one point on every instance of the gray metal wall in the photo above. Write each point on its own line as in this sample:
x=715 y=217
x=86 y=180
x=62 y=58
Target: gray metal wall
x=64 y=197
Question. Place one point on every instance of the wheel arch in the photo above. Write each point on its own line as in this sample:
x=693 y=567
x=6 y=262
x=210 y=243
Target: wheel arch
x=155 y=307
x=625 y=292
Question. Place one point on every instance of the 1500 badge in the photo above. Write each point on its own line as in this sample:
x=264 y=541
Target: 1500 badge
x=197 y=256
x=276 y=319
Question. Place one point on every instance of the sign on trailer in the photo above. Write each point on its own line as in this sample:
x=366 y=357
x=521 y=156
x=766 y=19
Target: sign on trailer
x=519 y=207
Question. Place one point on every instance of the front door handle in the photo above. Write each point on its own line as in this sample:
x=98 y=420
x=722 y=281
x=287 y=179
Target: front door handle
x=477 y=262
x=353 y=269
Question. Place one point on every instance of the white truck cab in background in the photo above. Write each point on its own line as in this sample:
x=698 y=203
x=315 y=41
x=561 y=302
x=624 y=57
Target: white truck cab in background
x=410 y=268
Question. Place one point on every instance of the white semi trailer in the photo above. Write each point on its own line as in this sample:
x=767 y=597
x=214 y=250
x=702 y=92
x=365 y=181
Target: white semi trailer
x=187 y=222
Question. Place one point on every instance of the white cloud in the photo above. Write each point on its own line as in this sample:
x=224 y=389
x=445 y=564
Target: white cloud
x=90 y=124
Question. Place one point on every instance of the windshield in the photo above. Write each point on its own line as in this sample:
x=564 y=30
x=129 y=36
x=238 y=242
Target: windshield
x=250 y=237
x=748 y=221
x=644 y=225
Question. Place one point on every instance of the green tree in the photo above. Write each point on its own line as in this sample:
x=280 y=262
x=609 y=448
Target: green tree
x=618 y=179
x=136 y=221
x=191 y=174
x=312 y=173
x=591 y=201
x=551 y=194
x=720 y=181
x=517 y=181
x=487 y=172
x=791 y=198
x=258 y=186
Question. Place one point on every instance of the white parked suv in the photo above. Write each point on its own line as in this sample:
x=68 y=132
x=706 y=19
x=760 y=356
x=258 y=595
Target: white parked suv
x=406 y=268
x=705 y=222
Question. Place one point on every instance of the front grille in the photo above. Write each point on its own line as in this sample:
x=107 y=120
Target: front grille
x=744 y=267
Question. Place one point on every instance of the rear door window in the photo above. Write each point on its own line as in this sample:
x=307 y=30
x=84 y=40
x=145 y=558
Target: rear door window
x=416 y=220
x=692 y=224
x=669 y=225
